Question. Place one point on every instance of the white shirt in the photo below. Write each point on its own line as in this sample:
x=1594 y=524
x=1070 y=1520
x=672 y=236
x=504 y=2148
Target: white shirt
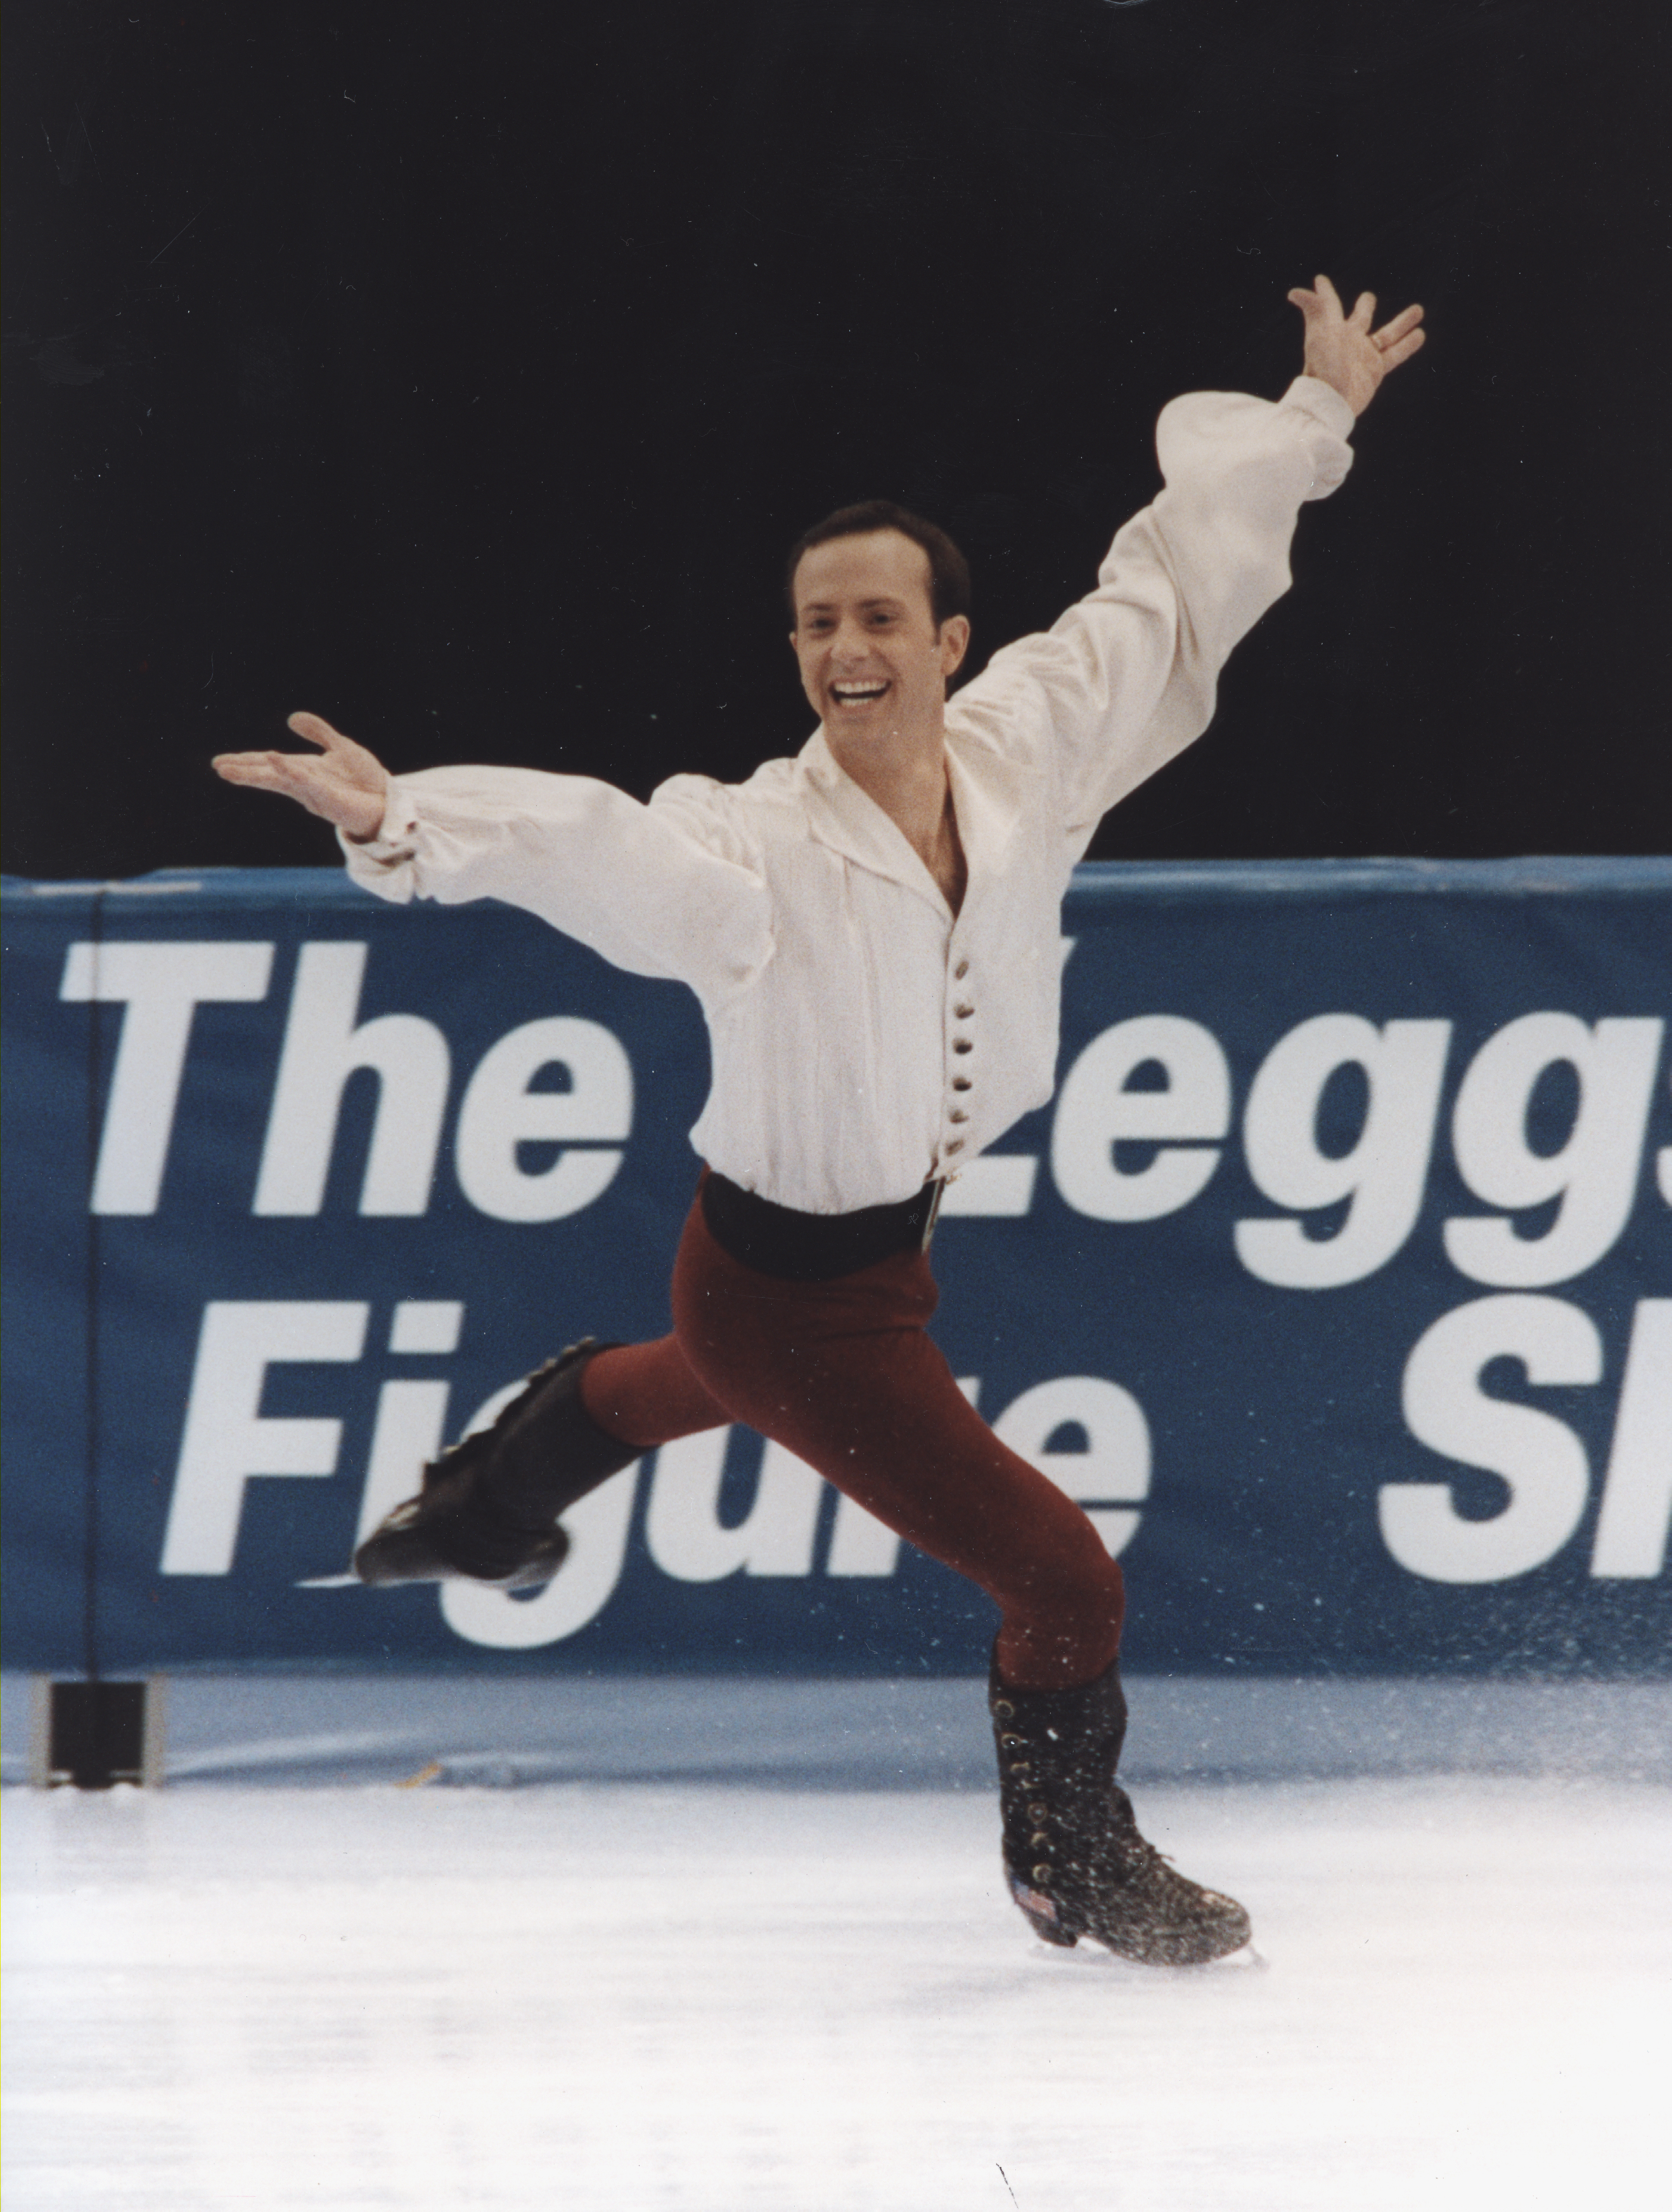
x=863 y=1038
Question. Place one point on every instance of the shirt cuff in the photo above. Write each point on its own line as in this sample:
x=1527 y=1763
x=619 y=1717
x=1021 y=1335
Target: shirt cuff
x=397 y=838
x=1322 y=402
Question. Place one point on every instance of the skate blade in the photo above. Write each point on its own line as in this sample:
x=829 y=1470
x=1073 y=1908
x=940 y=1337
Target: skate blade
x=1090 y=1953
x=1245 y=1961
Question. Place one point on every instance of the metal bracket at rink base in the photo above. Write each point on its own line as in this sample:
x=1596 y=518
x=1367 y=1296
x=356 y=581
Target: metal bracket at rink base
x=93 y=1735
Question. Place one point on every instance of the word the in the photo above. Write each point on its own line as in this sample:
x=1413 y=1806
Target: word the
x=1140 y=1129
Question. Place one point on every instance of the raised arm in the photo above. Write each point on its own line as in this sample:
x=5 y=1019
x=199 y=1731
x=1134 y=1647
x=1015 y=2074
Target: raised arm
x=1343 y=351
x=1128 y=677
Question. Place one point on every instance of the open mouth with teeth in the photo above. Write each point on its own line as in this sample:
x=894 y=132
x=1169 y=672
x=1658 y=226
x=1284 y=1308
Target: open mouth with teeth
x=864 y=694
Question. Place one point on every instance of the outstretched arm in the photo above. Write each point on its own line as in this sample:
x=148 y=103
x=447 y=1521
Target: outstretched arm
x=1127 y=677
x=347 y=785
x=1343 y=351
x=670 y=890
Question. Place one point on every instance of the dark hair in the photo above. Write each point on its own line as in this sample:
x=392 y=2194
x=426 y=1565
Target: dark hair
x=948 y=571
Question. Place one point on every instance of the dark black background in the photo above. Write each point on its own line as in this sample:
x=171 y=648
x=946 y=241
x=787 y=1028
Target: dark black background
x=461 y=373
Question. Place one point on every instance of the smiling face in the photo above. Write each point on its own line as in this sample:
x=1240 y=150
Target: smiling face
x=874 y=662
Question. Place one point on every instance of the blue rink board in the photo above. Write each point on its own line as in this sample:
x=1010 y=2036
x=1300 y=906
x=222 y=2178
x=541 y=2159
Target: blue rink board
x=1362 y=1443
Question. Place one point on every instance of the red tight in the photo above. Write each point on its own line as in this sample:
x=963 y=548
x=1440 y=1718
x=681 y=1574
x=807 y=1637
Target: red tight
x=843 y=1375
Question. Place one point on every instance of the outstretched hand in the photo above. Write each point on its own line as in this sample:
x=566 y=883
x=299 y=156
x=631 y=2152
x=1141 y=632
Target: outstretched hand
x=345 y=783
x=1342 y=350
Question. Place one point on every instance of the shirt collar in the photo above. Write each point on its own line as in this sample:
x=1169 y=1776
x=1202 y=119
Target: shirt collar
x=849 y=821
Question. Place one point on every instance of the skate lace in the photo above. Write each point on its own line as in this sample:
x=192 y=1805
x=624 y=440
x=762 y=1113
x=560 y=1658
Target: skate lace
x=510 y=1412
x=1138 y=1857
x=1138 y=1851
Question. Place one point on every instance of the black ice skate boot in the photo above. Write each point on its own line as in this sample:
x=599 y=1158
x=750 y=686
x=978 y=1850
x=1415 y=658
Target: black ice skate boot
x=488 y=1511
x=1077 y=1865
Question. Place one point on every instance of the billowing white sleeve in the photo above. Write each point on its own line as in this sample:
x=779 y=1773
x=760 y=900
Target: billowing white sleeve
x=1128 y=677
x=670 y=889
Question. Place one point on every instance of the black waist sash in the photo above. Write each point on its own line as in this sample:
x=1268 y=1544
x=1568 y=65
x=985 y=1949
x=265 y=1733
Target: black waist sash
x=814 y=1248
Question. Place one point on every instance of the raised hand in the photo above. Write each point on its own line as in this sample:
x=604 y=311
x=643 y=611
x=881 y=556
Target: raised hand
x=1342 y=350
x=345 y=784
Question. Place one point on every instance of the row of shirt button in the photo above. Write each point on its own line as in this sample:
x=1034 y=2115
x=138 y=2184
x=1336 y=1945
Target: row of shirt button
x=962 y=1009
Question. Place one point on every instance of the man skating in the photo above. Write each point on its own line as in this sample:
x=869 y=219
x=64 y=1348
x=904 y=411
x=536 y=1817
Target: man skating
x=873 y=931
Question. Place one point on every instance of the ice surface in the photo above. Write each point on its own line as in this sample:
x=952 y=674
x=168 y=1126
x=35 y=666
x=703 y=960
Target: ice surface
x=654 y=1997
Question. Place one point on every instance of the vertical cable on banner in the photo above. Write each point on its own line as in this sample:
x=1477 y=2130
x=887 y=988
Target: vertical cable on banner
x=90 y=1548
